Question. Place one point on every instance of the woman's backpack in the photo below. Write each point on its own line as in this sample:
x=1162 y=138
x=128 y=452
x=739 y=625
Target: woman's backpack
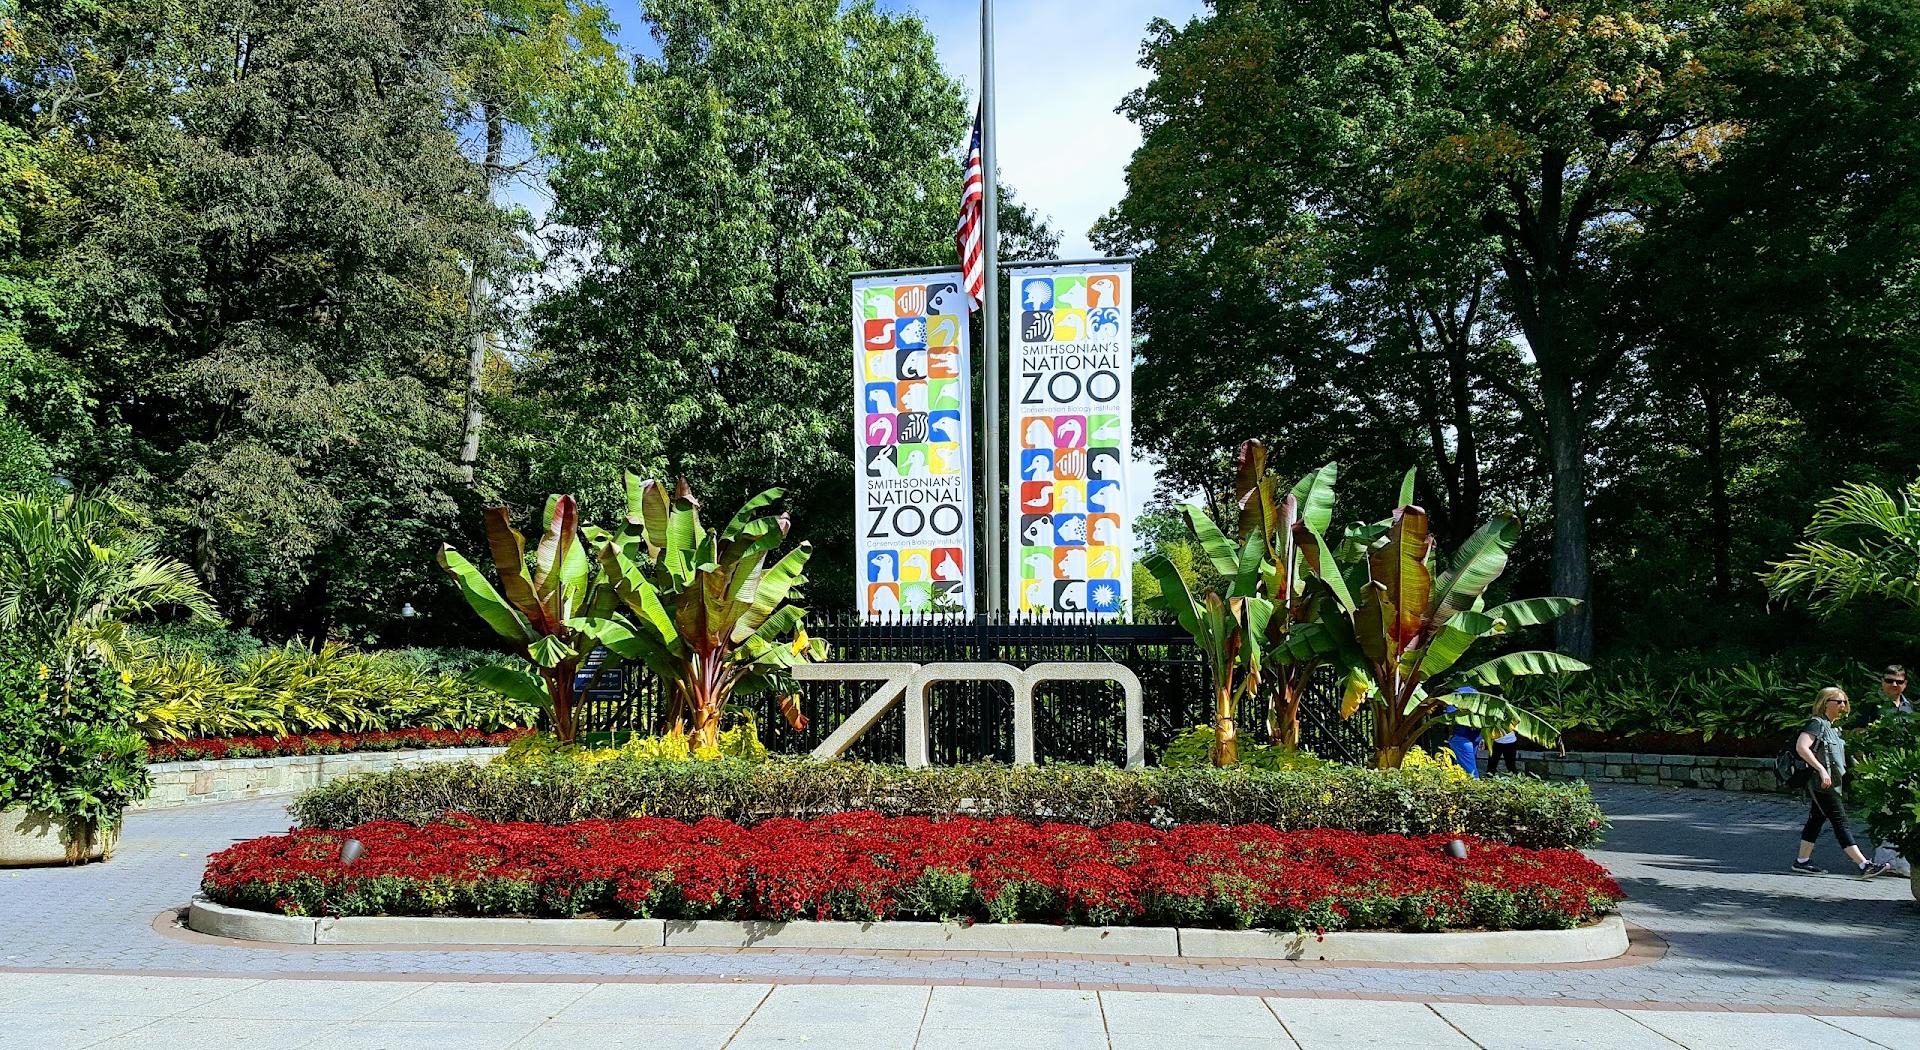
x=1789 y=768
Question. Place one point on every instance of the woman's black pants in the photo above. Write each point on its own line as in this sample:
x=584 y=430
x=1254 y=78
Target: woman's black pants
x=1826 y=808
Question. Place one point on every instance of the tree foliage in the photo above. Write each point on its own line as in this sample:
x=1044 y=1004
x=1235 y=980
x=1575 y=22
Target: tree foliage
x=1568 y=258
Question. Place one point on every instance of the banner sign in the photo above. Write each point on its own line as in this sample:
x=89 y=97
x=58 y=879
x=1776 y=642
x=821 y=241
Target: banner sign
x=913 y=460
x=1070 y=535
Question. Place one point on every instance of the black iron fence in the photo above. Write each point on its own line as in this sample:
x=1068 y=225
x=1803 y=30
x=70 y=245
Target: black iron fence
x=973 y=721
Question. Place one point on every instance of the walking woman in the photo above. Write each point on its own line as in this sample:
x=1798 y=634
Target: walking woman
x=1821 y=748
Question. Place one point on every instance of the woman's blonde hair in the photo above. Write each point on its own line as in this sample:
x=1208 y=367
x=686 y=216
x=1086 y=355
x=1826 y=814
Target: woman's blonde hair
x=1826 y=696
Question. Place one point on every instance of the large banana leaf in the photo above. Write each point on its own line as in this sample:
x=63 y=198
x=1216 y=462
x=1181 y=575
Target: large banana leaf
x=1496 y=715
x=683 y=536
x=776 y=583
x=745 y=513
x=1245 y=581
x=509 y=551
x=1320 y=562
x=1400 y=566
x=1479 y=562
x=549 y=558
x=521 y=685
x=638 y=594
x=502 y=617
x=1256 y=612
x=1406 y=487
x=619 y=637
x=1373 y=625
x=1314 y=493
x=1218 y=548
x=1453 y=640
x=1174 y=597
x=1515 y=665
x=1253 y=490
x=1532 y=612
x=648 y=508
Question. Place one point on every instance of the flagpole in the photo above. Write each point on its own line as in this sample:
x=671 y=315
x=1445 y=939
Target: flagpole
x=990 y=236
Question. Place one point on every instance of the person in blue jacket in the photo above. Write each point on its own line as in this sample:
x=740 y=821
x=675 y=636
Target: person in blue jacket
x=1464 y=742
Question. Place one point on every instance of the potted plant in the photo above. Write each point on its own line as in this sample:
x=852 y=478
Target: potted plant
x=70 y=760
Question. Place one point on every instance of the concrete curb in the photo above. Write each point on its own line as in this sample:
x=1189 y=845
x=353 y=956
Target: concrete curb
x=1604 y=940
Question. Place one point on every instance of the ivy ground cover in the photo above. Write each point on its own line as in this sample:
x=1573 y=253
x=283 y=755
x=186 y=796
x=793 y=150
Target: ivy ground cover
x=326 y=743
x=867 y=867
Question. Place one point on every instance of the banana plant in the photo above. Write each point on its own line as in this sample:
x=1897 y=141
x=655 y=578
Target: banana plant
x=1230 y=628
x=1292 y=533
x=1410 y=626
x=709 y=612
x=538 y=610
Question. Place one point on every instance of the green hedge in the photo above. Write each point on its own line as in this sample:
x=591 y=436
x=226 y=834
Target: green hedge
x=1521 y=811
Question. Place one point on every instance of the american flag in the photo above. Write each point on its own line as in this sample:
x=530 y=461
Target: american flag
x=967 y=233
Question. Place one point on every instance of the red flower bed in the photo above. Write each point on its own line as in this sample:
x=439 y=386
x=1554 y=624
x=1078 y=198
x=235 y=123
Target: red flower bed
x=325 y=743
x=866 y=867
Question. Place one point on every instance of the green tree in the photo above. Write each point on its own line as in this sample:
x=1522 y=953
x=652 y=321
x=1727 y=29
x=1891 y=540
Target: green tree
x=1498 y=130
x=266 y=217
x=508 y=76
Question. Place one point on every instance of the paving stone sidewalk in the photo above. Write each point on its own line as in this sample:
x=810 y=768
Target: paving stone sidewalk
x=1706 y=871
x=74 y=1012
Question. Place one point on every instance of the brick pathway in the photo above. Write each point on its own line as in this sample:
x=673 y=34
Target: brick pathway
x=1705 y=870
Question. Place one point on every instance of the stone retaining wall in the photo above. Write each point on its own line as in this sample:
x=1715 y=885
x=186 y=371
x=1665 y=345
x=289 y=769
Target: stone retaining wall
x=1694 y=771
x=226 y=779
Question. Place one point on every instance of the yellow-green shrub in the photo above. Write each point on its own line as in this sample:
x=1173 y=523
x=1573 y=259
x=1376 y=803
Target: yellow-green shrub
x=740 y=742
x=294 y=688
x=1195 y=748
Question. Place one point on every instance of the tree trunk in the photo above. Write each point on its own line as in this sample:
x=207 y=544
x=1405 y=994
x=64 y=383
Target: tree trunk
x=1566 y=455
x=1226 y=746
x=1465 y=512
x=479 y=311
x=1540 y=249
x=1285 y=721
x=560 y=694
x=1719 y=506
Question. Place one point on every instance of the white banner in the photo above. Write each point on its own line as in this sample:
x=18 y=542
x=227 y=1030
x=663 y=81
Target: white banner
x=1070 y=439
x=913 y=456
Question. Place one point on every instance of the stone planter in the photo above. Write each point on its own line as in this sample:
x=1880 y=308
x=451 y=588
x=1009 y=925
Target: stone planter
x=30 y=837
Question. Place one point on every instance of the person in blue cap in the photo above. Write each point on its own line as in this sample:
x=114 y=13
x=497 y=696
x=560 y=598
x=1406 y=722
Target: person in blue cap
x=1464 y=742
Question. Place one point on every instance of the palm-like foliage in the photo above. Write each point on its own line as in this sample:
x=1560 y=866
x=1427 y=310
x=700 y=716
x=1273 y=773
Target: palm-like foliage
x=1412 y=622
x=74 y=571
x=1863 y=541
x=709 y=612
x=1230 y=628
x=1293 y=533
x=538 y=608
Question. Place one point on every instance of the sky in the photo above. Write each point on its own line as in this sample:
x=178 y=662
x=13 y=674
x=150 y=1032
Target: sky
x=1061 y=67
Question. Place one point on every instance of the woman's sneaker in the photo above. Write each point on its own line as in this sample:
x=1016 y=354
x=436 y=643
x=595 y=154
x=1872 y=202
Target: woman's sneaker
x=1807 y=867
x=1874 y=869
